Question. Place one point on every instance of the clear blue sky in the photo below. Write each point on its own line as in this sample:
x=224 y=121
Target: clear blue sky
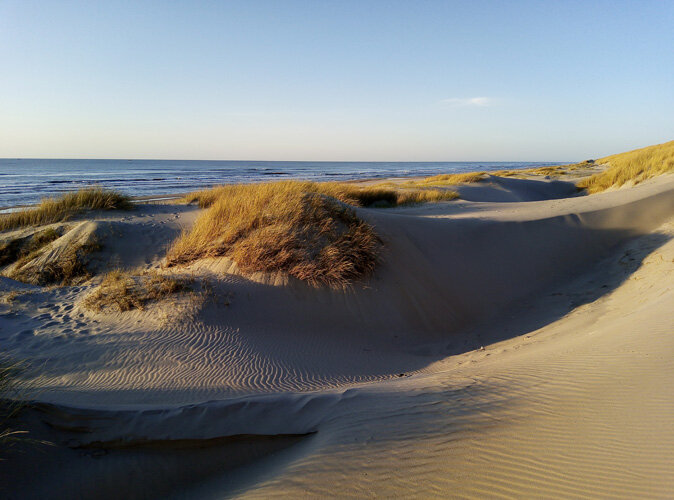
x=335 y=80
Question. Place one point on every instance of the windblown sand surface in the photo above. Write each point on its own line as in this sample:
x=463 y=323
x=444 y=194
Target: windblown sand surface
x=517 y=343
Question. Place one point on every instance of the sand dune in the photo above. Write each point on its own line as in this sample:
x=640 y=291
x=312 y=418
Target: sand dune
x=579 y=408
x=278 y=388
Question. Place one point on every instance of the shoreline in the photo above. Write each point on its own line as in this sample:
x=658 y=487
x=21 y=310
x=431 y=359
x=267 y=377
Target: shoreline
x=365 y=182
x=325 y=178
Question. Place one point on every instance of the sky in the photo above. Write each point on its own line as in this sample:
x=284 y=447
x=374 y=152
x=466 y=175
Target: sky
x=360 y=80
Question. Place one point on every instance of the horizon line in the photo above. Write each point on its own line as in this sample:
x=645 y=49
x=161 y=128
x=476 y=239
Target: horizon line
x=288 y=161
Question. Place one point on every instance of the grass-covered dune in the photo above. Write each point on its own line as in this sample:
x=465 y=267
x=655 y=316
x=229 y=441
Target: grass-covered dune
x=623 y=168
x=554 y=170
x=52 y=210
x=447 y=180
x=352 y=194
x=305 y=229
x=633 y=166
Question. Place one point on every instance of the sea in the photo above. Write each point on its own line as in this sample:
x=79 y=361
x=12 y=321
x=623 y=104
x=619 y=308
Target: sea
x=26 y=181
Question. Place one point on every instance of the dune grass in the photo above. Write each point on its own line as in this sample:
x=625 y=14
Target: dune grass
x=52 y=210
x=68 y=268
x=447 y=179
x=631 y=167
x=304 y=229
x=301 y=228
x=360 y=196
x=554 y=170
x=23 y=249
x=122 y=291
x=10 y=251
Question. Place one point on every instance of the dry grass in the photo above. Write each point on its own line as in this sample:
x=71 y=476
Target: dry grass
x=300 y=228
x=52 y=210
x=447 y=179
x=631 y=167
x=10 y=251
x=554 y=171
x=360 y=196
x=24 y=249
x=415 y=196
x=123 y=291
x=68 y=268
x=10 y=297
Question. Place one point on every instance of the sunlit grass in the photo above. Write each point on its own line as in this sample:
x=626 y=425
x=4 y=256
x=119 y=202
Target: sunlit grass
x=554 y=170
x=447 y=180
x=352 y=194
x=281 y=226
x=631 y=167
x=52 y=210
x=305 y=229
x=68 y=267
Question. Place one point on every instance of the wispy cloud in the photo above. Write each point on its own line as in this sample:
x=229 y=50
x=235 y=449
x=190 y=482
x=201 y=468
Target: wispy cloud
x=480 y=102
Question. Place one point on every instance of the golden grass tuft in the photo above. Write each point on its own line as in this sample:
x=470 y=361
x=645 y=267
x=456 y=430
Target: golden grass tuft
x=52 y=210
x=448 y=179
x=122 y=291
x=300 y=228
x=633 y=166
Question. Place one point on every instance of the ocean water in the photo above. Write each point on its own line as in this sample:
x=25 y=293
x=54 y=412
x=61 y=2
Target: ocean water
x=26 y=181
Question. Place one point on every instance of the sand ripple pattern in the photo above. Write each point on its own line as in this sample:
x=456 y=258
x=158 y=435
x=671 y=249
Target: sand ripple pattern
x=557 y=427
x=182 y=364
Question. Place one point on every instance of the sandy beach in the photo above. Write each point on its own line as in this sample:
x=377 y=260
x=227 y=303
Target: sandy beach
x=515 y=342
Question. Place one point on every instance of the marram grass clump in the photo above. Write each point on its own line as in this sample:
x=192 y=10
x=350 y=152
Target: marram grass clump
x=360 y=196
x=291 y=227
x=554 y=170
x=631 y=167
x=52 y=210
x=122 y=291
x=447 y=179
x=68 y=267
